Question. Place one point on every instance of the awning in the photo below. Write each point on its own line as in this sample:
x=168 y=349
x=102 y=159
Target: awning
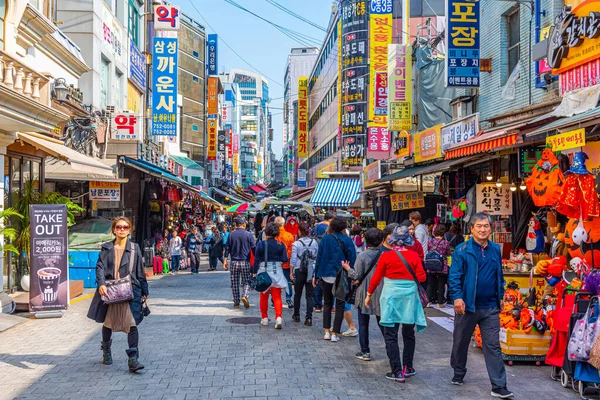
x=302 y=195
x=405 y=173
x=262 y=186
x=185 y=162
x=449 y=164
x=210 y=199
x=257 y=189
x=335 y=192
x=56 y=148
x=576 y=121
x=58 y=170
x=492 y=139
x=157 y=172
x=284 y=192
x=232 y=199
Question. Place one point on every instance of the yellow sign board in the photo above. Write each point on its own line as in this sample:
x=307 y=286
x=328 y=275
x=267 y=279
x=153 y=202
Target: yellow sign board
x=401 y=144
x=106 y=191
x=381 y=225
x=302 y=117
x=567 y=140
x=428 y=144
x=327 y=168
x=399 y=87
x=406 y=201
x=380 y=35
x=372 y=173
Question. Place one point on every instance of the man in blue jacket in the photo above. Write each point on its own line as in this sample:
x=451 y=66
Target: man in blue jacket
x=476 y=284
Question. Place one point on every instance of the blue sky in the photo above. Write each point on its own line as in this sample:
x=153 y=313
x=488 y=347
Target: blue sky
x=259 y=43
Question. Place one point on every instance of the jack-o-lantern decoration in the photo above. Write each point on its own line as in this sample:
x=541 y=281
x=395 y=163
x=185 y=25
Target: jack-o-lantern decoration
x=583 y=240
x=546 y=180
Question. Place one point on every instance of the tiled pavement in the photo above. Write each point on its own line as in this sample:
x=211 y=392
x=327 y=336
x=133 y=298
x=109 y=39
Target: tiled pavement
x=192 y=350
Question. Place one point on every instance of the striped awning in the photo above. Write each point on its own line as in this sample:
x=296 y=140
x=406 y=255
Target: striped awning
x=335 y=192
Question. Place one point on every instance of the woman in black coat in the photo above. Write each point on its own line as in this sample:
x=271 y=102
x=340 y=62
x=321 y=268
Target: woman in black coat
x=120 y=317
x=216 y=249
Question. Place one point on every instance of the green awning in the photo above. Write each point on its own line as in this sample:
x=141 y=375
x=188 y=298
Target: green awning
x=185 y=162
x=405 y=173
x=284 y=192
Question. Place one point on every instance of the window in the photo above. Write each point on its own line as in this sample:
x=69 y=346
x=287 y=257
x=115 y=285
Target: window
x=513 y=29
x=118 y=90
x=2 y=16
x=196 y=54
x=134 y=19
x=196 y=181
x=104 y=66
x=195 y=79
x=195 y=128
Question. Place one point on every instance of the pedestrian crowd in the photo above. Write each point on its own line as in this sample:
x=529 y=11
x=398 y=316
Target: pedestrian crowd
x=391 y=275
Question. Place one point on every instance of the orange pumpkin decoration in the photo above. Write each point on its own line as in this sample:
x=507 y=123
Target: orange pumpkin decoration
x=546 y=180
x=583 y=236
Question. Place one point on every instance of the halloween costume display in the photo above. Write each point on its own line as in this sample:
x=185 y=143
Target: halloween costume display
x=579 y=197
x=546 y=180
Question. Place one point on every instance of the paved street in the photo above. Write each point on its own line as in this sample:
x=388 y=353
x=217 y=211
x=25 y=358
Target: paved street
x=196 y=346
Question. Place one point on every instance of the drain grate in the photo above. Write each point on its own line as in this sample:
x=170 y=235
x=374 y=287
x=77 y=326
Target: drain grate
x=244 y=320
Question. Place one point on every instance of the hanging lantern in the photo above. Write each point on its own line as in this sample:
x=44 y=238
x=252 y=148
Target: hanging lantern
x=356 y=213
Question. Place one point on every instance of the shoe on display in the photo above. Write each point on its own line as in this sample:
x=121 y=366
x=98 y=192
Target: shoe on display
x=502 y=393
x=350 y=332
x=278 y=323
x=363 y=356
x=264 y=321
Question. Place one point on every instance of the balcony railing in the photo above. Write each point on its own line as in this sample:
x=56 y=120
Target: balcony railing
x=19 y=77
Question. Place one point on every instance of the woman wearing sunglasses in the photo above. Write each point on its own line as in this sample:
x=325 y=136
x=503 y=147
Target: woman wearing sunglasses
x=116 y=262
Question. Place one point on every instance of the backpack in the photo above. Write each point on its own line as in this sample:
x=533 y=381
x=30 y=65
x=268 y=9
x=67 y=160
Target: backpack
x=434 y=261
x=321 y=236
x=307 y=259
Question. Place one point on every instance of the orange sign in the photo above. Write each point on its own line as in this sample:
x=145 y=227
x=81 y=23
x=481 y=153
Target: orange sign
x=212 y=96
x=407 y=201
x=302 y=117
x=428 y=144
x=212 y=139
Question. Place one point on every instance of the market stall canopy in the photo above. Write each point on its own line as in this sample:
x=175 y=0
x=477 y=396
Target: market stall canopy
x=210 y=199
x=57 y=149
x=257 y=189
x=185 y=162
x=285 y=192
x=335 y=192
x=588 y=118
x=405 y=173
x=157 y=172
x=261 y=205
x=238 y=208
x=232 y=198
x=449 y=164
x=303 y=195
x=262 y=185
x=58 y=170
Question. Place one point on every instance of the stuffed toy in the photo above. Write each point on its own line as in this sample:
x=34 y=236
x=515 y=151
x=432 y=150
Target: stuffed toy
x=534 y=242
x=579 y=197
x=545 y=182
x=559 y=264
x=541 y=267
x=582 y=239
x=526 y=319
x=512 y=294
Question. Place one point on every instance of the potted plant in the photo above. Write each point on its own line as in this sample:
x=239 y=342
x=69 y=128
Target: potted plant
x=23 y=199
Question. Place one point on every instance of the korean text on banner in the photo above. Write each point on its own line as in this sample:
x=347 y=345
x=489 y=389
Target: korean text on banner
x=302 y=117
x=462 y=42
x=164 y=87
x=213 y=53
x=137 y=66
x=212 y=96
x=301 y=177
x=401 y=144
x=428 y=144
x=105 y=191
x=407 y=201
x=212 y=139
x=399 y=87
x=221 y=149
x=166 y=18
x=49 y=258
x=125 y=126
x=372 y=173
x=460 y=131
x=567 y=140
x=328 y=168
x=494 y=200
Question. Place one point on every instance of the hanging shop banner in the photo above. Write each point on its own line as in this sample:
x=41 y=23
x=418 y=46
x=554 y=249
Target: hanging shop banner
x=428 y=144
x=575 y=37
x=301 y=178
x=137 y=66
x=327 y=168
x=354 y=80
x=125 y=126
x=401 y=144
x=221 y=149
x=236 y=153
x=212 y=49
x=302 y=117
x=371 y=174
x=380 y=36
x=407 y=201
x=105 y=191
x=212 y=96
x=166 y=18
x=399 y=87
x=567 y=140
x=212 y=139
x=339 y=81
x=290 y=157
x=112 y=34
x=462 y=42
x=164 y=87
x=460 y=131
x=494 y=200
x=49 y=258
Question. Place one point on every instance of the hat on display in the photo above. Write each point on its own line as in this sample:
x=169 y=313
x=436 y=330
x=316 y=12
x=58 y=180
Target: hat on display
x=578 y=166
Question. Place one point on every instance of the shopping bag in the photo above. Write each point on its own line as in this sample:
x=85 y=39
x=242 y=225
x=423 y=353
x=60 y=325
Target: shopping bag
x=165 y=266
x=582 y=338
x=595 y=352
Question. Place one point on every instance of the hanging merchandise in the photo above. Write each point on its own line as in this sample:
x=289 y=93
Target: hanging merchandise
x=545 y=182
x=579 y=197
x=534 y=243
x=583 y=240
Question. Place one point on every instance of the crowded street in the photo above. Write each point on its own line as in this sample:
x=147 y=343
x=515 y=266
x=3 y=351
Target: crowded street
x=196 y=346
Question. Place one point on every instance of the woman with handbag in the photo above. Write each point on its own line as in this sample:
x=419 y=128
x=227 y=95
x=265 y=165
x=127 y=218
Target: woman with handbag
x=334 y=249
x=216 y=250
x=269 y=257
x=122 y=290
x=401 y=298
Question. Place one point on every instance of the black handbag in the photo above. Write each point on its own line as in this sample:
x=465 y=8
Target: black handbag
x=351 y=296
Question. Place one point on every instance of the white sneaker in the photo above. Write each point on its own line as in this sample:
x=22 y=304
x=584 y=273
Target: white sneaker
x=335 y=338
x=264 y=322
x=327 y=336
x=350 y=332
x=278 y=323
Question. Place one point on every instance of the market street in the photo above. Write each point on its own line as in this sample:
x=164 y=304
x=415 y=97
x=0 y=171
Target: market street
x=196 y=346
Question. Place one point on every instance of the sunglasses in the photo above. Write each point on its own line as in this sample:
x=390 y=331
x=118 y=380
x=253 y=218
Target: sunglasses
x=122 y=227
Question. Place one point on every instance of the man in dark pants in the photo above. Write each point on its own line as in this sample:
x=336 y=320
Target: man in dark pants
x=476 y=284
x=240 y=244
x=193 y=247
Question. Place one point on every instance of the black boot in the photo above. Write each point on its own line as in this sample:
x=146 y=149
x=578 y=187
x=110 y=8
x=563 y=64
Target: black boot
x=133 y=362
x=106 y=354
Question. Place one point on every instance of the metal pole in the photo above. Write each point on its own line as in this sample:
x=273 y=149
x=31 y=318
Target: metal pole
x=405 y=21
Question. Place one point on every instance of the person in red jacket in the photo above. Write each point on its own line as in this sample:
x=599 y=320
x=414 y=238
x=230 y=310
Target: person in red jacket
x=399 y=301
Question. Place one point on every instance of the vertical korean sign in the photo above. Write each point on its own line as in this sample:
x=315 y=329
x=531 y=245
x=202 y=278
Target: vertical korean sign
x=211 y=97
x=354 y=77
x=212 y=139
x=236 y=153
x=213 y=51
x=49 y=259
x=380 y=36
x=302 y=117
x=399 y=88
x=462 y=42
x=164 y=87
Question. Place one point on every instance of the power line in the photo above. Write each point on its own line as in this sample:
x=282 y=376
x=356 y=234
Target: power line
x=293 y=14
x=231 y=48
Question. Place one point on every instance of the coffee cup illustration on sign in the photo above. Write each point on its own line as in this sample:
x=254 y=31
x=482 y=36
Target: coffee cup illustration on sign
x=49 y=278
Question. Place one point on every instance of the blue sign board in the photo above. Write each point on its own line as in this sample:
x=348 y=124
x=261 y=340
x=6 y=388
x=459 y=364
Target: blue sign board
x=137 y=67
x=381 y=6
x=213 y=50
x=462 y=38
x=164 y=86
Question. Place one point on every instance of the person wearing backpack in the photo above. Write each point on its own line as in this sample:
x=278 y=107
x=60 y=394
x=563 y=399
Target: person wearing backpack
x=436 y=264
x=304 y=254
